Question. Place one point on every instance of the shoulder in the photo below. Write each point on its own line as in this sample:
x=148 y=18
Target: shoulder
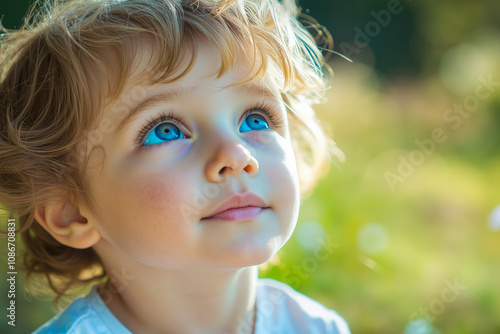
x=84 y=315
x=74 y=319
x=281 y=309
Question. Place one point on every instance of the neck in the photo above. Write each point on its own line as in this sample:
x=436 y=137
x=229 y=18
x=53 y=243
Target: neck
x=198 y=301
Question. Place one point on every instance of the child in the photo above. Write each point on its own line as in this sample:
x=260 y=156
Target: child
x=157 y=151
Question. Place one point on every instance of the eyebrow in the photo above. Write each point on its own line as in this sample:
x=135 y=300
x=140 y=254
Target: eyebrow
x=253 y=89
x=174 y=94
x=180 y=93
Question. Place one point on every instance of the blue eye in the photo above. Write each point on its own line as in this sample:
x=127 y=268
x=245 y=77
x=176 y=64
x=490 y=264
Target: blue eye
x=254 y=122
x=163 y=133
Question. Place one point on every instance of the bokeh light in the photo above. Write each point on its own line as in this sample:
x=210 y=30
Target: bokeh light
x=373 y=238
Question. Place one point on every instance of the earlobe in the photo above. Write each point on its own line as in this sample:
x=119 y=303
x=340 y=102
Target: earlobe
x=65 y=223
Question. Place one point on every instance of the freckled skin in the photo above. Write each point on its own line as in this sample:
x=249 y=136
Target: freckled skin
x=153 y=201
x=155 y=194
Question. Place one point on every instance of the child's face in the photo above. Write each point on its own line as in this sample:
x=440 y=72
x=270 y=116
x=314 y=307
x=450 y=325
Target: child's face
x=154 y=198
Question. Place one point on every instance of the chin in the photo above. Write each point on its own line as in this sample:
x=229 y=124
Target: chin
x=251 y=252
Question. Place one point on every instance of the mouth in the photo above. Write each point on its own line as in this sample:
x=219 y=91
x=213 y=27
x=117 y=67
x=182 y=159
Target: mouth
x=239 y=208
x=238 y=214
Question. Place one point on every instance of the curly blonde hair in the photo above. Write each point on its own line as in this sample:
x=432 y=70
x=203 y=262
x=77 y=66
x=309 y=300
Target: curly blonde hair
x=53 y=74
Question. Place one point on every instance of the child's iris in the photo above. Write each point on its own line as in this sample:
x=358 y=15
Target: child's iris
x=254 y=122
x=162 y=133
x=168 y=131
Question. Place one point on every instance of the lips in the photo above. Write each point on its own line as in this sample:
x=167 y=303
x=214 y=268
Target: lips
x=238 y=208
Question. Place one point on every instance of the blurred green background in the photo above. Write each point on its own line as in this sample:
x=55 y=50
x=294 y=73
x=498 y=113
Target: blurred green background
x=412 y=219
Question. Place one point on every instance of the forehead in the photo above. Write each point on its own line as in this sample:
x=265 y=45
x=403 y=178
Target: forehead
x=198 y=70
x=201 y=67
x=203 y=61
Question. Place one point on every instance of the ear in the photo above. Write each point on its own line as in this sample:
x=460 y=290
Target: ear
x=65 y=223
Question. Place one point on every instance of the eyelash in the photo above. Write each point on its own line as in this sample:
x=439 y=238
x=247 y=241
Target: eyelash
x=272 y=113
x=152 y=123
x=275 y=117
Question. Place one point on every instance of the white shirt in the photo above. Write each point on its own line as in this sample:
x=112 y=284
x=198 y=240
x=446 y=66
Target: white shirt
x=280 y=310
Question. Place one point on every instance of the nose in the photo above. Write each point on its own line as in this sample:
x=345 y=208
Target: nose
x=232 y=158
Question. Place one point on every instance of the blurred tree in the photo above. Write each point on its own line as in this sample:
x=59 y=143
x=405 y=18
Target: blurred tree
x=398 y=45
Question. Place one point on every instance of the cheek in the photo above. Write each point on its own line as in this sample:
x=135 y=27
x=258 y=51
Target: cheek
x=285 y=185
x=143 y=219
x=166 y=198
x=284 y=168
x=157 y=194
x=153 y=198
